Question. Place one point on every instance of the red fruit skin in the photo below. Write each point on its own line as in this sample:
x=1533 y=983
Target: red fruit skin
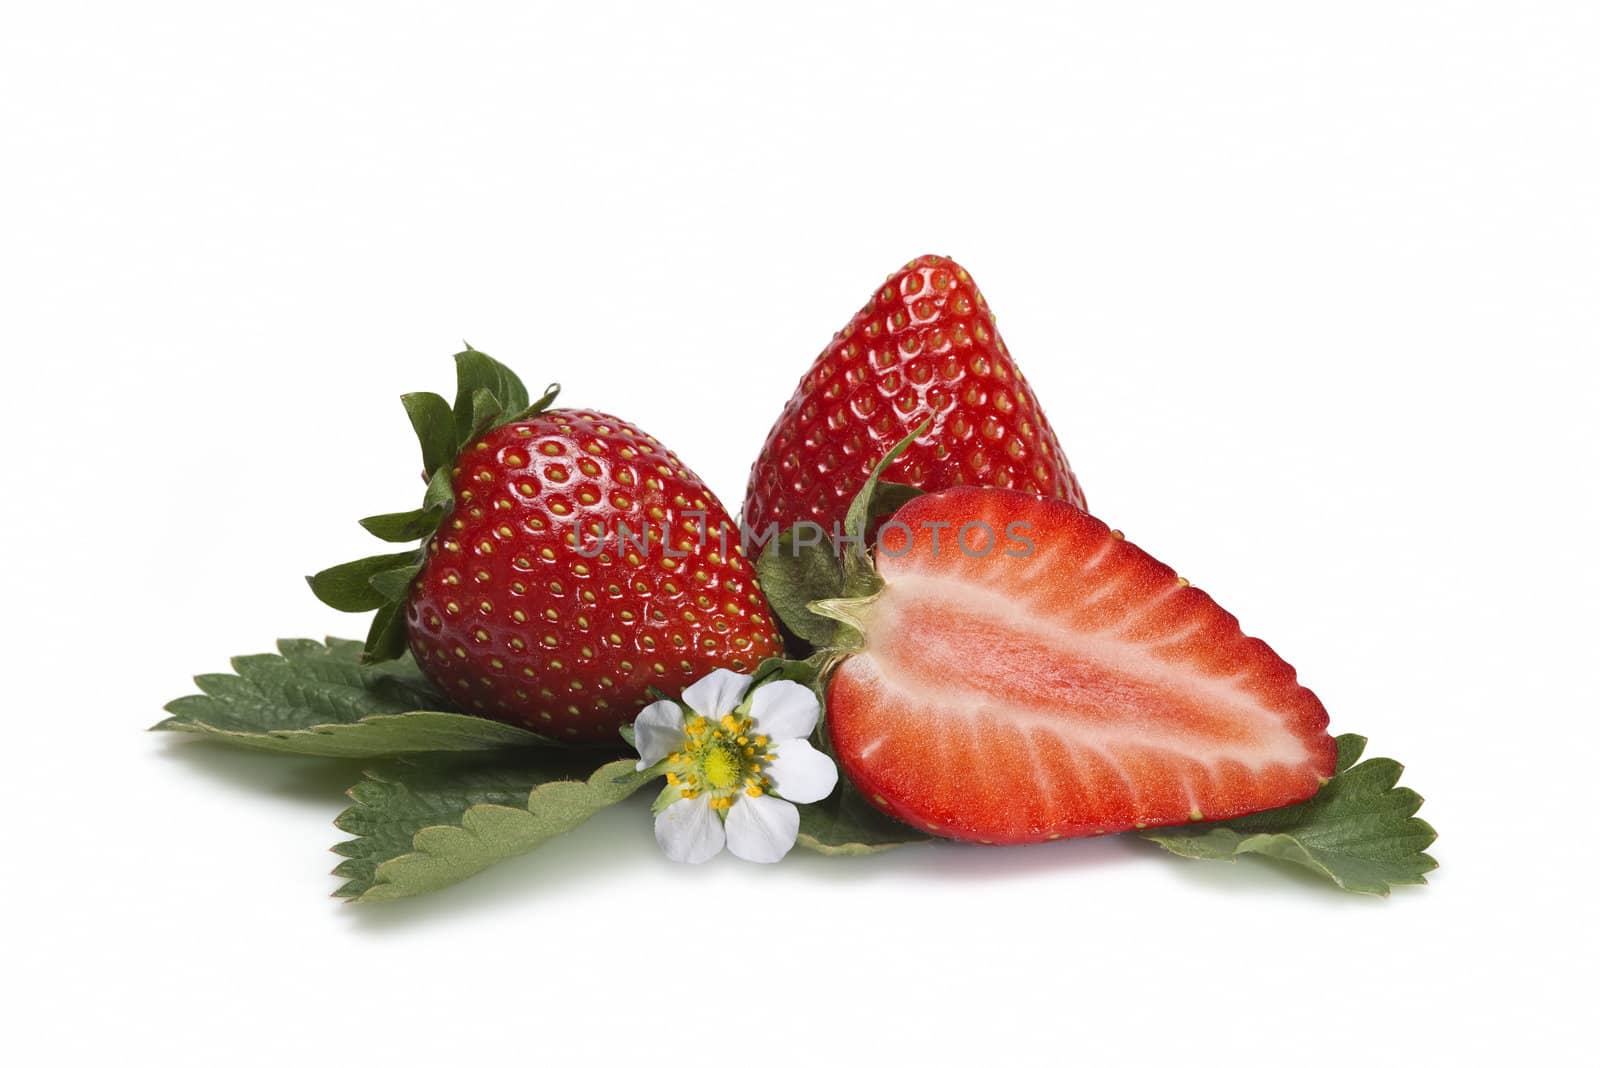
x=511 y=620
x=1080 y=688
x=925 y=344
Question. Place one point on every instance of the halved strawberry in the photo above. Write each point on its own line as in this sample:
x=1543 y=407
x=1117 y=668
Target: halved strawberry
x=1025 y=674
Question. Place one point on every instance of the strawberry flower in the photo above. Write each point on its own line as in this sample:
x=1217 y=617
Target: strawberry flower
x=736 y=764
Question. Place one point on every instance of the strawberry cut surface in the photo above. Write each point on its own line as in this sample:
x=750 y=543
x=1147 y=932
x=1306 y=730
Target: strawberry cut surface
x=924 y=345
x=1061 y=683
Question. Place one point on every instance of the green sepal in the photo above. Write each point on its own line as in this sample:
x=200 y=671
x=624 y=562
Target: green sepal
x=670 y=794
x=1360 y=831
x=348 y=587
x=395 y=584
x=440 y=495
x=547 y=398
x=474 y=372
x=792 y=577
x=485 y=412
x=386 y=638
x=435 y=425
x=860 y=577
x=812 y=591
x=488 y=395
x=402 y=526
x=805 y=672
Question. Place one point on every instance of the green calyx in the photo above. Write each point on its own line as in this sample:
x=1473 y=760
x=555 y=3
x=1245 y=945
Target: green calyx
x=823 y=596
x=488 y=395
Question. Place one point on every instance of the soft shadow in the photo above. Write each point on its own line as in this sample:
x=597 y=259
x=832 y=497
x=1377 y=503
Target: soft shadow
x=956 y=861
x=294 y=778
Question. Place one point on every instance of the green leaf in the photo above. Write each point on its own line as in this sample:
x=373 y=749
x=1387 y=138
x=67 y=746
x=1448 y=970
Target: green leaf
x=435 y=425
x=403 y=526
x=490 y=831
x=313 y=699
x=1360 y=830
x=348 y=587
x=397 y=799
x=476 y=371
x=847 y=825
x=792 y=578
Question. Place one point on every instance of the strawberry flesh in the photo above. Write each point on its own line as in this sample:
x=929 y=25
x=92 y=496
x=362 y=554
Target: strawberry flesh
x=1078 y=688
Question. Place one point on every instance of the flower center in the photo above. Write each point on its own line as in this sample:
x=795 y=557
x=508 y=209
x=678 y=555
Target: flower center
x=722 y=767
x=720 y=760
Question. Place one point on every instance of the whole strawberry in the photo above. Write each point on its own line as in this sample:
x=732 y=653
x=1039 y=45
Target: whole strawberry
x=925 y=344
x=569 y=563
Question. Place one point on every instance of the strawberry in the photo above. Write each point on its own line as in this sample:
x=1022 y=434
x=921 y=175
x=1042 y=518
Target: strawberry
x=545 y=593
x=925 y=344
x=1022 y=673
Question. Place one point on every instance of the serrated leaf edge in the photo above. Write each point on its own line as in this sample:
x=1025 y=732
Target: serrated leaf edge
x=1291 y=850
x=432 y=841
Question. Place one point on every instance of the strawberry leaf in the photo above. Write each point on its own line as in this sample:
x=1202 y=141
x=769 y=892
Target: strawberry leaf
x=397 y=799
x=312 y=699
x=478 y=824
x=846 y=825
x=1360 y=830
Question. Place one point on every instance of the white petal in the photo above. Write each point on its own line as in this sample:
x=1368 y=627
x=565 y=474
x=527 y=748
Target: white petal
x=688 y=831
x=784 y=709
x=762 y=828
x=717 y=694
x=799 y=773
x=657 y=731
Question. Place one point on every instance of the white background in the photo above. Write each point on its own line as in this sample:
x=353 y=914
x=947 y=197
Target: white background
x=1308 y=292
